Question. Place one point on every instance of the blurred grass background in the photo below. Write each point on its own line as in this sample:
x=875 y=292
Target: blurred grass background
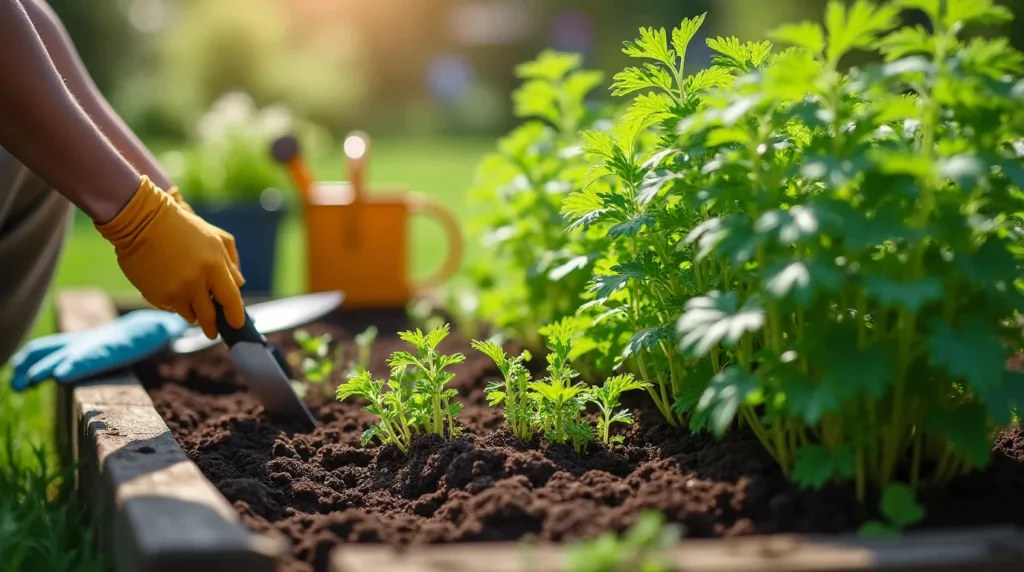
x=428 y=80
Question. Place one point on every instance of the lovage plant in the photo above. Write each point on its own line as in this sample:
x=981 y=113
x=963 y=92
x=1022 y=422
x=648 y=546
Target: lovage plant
x=414 y=400
x=634 y=195
x=863 y=227
x=535 y=272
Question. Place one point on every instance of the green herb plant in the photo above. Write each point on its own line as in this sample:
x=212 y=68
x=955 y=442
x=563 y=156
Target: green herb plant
x=364 y=346
x=843 y=246
x=634 y=196
x=414 y=400
x=858 y=252
x=313 y=359
x=513 y=391
x=560 y=400
x=535 y=271
x=641 y=549
x=899 y=509
x=554 y=405
x=607 y=398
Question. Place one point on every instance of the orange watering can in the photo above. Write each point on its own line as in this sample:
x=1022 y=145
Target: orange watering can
x=358 y=242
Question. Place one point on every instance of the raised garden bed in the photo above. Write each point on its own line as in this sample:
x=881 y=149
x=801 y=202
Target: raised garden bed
x=182 y=465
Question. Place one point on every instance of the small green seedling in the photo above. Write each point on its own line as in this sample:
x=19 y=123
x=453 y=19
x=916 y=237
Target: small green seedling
x=513 y=391
x=900 y=509
x=388 y=400
x=315 y=364
x=607 y=399
x=560 y=401
x=639 y=550
x=364 y=343
x=414 y=399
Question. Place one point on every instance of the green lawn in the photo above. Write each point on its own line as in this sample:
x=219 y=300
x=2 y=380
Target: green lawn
x=41 y=534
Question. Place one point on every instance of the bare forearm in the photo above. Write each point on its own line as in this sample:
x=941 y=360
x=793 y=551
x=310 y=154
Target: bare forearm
x=68 y=63
x=43 y=126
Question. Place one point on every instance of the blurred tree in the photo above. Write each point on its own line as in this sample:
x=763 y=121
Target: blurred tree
x=103 y=35
x=262 y=47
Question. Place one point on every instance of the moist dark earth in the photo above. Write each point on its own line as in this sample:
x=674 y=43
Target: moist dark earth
x=323 y=488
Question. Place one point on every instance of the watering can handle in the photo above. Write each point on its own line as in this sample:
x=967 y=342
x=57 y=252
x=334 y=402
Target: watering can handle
x=423 y=205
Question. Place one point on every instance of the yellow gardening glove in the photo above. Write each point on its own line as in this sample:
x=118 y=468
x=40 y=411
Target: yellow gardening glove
x=175 y=259
x=226 y=238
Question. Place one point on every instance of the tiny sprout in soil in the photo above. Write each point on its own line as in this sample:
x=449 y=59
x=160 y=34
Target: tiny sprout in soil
x=313 y=359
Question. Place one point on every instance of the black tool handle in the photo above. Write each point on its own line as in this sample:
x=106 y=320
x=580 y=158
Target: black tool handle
x=232 y=336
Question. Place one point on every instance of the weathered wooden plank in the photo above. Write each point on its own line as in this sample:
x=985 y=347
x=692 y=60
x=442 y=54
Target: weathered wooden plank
x=991 y=550
x=154 y=509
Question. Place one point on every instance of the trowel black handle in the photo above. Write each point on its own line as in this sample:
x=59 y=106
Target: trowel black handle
x=232 y=336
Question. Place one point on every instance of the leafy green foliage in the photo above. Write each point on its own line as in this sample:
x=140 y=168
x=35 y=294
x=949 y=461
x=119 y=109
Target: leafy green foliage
x=640 y=549
x=828 y=257
x=513 y=392
x=607 y=397
x=414 y=400
x=364 y=342
x=632 y=197
x=230 y=163
x=43 y=524
x=560 y=400
x=313 y=359
x=899 y=509
x=553 y=406
x=854 y=244
x=534 y=271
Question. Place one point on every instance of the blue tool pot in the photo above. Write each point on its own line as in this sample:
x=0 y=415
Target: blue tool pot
x=255 y=228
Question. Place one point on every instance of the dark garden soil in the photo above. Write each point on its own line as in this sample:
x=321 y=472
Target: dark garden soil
x=323 y=488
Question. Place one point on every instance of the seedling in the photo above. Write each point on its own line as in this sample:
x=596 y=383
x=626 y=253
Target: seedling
x=364 y=342
x=513 y=391
x=414 y=399
x=641 y=549
x=389 y=400
x=900 y=510
x=560 y=400
x=314 y=360
x=607 y=399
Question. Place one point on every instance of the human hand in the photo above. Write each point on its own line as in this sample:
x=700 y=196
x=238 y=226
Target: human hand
x=175 y=259
x=70 y=357
x=225 y=237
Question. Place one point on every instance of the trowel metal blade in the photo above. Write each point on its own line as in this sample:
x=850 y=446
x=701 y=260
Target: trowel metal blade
x=267 y=381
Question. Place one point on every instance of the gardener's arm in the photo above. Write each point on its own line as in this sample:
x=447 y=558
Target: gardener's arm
x=43 y=126
x=69 y=65
x=174 y=259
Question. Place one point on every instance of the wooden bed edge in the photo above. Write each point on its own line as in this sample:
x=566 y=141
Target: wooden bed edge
x=990 y=549
x=154 y=510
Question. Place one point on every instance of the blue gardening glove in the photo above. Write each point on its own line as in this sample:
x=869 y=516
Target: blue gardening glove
x=70 y=357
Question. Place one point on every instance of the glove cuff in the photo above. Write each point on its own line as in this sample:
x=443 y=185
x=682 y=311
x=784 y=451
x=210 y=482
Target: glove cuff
x=144 y=207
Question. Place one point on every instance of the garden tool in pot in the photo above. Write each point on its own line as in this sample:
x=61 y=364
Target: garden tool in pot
x=262 y=370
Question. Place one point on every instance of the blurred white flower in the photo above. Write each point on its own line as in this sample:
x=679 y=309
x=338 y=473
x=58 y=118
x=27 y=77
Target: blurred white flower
x=274 y=120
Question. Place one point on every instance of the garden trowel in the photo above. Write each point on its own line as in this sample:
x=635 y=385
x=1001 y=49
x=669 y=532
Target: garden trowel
x=262 y=371
x=269 y=317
